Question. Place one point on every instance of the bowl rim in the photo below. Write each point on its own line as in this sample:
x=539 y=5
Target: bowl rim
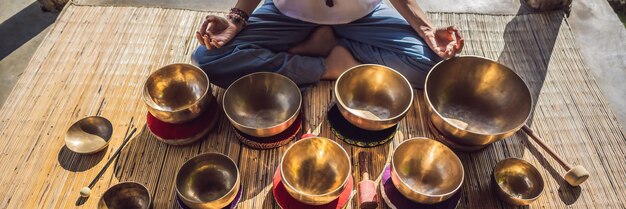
x=434 y=110
x=455 y=190
x=141 y=186
x=292 y=117
x=345 y=181
x=148 y=99
x=184 y=198
x=534 y=169
x=340 y=101
x=66 y=140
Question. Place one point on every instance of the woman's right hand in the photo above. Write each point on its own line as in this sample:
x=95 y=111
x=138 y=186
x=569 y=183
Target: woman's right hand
x=217 y=31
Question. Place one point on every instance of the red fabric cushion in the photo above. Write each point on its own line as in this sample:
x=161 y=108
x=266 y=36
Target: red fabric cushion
x=170 y=131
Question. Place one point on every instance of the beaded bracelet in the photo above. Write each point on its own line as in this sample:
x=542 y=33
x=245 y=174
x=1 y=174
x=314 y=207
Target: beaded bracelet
x=239 y=12
x=238 y=16
x=237 y=19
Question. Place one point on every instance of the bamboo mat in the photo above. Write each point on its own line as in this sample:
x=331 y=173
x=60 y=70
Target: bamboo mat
x=95 y=59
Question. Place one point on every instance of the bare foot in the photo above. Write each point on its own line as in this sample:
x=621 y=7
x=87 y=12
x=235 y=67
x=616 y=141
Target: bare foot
x=319 y=43
x=338 y=61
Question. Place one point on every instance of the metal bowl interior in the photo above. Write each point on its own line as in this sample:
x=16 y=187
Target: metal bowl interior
x=518 y=180
x=175 y=87
x=315 y=170
x=89 y=135
x=209 y=180
x=478 y=95
x=125 y=195
x=426 y=171
x=262 y=104
x=373 y=93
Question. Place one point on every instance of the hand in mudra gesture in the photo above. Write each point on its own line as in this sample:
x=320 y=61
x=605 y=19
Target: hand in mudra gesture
x=217 y=31
x=446 y=41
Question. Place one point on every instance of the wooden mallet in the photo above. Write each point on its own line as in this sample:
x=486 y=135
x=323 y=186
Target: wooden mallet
x=368 y=199
x=575 y=175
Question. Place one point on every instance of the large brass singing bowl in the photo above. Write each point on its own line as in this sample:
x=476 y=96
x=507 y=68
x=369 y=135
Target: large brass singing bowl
x=125 y=195
x=373 y=97
x=517 y=182
x=177 y=93
x=315 y=170
x=426 y=171
x=208 y=181
x=262 y=104
x=89 y=135
x=476 y=101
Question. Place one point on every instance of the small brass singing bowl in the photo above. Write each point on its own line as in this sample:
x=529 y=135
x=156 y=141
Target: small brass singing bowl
x=426 y=171
x=315 y=170
x=208 y=181
x=476 y=101
x=517 y=182
x=262 y=104
x=126 y=195
x=89 y=135
x=177 y=93
x=373 y=97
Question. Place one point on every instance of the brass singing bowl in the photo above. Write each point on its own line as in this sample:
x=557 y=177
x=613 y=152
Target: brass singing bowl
x=476 y=101
x=177 y=93
x=208 y=181
x=125 y=195
x=315 y=170
x=373 y=97
x=262 y=104
x=517 y=182
x=426 y=171
x=89 y=135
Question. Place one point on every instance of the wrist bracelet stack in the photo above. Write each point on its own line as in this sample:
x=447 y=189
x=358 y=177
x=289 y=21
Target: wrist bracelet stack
x=238 y=16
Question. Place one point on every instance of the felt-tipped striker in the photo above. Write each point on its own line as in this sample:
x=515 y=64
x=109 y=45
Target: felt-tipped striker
x=368 y=199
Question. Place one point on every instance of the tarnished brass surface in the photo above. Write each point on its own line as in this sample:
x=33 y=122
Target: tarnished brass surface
x=517 y=182
x=476 y=101
x=177 y=93
x=315 y=170
x=89 y=135
x=373 y=97
x=262 y=104
x=208 y=181
x=125 y=195
x=426 y=171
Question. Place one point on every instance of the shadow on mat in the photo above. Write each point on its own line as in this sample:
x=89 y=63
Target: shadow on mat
x=23 y=26
x=567 y=193
x=529 y=45
x=253 y=187
x=140 y=161
x=269 y=200
x=75 y=162
x=154 y=164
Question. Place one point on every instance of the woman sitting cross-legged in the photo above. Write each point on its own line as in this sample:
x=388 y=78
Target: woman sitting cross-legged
x=310 y=40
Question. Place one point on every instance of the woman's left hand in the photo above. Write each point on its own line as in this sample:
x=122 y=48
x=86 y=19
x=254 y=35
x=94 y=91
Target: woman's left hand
x=446 y=41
